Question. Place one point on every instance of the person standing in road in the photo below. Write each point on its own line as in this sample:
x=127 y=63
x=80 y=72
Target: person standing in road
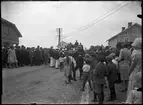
x=12 y=59
x=57 y=56
x=79 y=65
x=18 y=51
x=61 y=60
x=51 y=52
x=99 y=74
x=67 y=69
x=46 y=56
x=31 y=56
x=124 y=65
x=4 y=56
x=86 y=72
x=112 y=77
x=73 y=66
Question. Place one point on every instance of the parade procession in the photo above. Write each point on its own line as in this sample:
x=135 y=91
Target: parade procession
x=69 y=72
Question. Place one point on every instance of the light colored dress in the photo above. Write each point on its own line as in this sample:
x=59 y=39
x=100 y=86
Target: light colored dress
x=12 y=56
x=136 y=73
x=67 y=68
x=124 y=64
x=135 y=97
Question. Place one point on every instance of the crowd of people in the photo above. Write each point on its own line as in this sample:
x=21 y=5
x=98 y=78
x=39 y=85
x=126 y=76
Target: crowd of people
x=102 y=68
x=106 y=67
x=19 y=56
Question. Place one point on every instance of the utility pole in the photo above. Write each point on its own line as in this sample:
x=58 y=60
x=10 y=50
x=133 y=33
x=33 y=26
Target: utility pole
x=59 y=36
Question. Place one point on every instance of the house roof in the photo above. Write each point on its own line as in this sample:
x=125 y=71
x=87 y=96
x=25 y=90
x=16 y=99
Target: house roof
x=13 y=25
x=124 y=31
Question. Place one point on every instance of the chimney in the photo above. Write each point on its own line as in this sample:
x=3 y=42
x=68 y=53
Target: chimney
x=123 y=28
x=129 y=24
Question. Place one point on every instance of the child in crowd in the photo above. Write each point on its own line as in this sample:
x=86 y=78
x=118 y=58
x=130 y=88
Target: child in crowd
x=99 y=74
x=111 y=77
x=85 y=74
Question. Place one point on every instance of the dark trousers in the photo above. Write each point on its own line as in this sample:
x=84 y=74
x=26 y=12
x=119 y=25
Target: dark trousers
x=69 y=78
x=99 y=92
x=100 y=97
x=112 y=90
x=85 y=78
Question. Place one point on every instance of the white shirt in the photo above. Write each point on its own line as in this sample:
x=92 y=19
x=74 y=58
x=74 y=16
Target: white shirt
x=115 y=62
x=61 y=59
x=72 y=60
x=86 y=68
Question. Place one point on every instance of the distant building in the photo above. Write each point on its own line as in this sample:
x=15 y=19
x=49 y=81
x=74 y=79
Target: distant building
x=63 y=44
x=10 y=34
x=126 y=35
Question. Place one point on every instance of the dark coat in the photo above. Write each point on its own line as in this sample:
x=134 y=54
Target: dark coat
x=31 y=54
x=56 y=55
x=4 y=55
x=51 y=53
x=23 y=56
x=111 y=72
x=79 y=61
x=99 y=73
x=75 y=55
x=18 y=55
x=102 y=53
x=27 y=60
x=37 y=57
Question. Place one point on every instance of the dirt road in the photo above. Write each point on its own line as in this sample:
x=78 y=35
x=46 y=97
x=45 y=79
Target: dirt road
x=43 y=85
x=38 y=85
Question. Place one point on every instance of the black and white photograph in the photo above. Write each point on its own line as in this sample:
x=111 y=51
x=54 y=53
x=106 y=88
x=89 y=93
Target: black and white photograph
x=71 y=52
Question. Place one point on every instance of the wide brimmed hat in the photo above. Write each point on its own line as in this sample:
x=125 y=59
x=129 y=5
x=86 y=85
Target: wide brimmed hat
x=137 y=43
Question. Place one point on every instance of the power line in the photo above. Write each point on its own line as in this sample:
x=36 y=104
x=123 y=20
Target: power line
x=105 y=17
x=95 y=21
x=101 y=18
x=102 y=15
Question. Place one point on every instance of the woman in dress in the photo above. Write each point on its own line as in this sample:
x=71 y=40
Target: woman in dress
x=124 y=65
x=136 y=64
x=12 y=60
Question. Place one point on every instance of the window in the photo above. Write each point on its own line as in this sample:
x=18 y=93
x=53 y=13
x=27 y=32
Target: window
x=126 y=39
x=5 y=29
x=126 y=34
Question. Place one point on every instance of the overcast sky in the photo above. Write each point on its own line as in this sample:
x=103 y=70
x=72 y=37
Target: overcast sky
x=37 y=21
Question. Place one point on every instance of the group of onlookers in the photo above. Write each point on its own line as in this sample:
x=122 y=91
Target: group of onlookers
x=101 y=68
x=106 y=67
x=19 y=56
